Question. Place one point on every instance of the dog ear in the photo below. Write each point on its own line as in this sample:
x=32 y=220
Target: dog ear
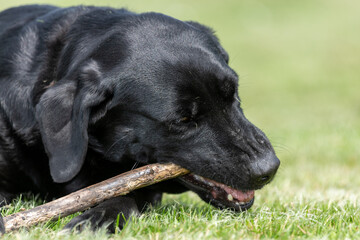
x=64 y=112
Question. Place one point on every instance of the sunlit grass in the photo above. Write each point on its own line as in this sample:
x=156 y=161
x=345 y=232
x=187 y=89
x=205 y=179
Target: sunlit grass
x=185 y=217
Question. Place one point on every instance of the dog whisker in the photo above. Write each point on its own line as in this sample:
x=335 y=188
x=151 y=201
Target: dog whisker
x=135 y=165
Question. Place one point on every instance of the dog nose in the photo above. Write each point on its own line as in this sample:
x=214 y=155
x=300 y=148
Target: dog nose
x=263 y=170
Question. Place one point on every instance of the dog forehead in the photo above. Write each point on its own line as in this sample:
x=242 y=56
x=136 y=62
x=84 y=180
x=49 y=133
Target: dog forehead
x=165 y=83
x=155 y=34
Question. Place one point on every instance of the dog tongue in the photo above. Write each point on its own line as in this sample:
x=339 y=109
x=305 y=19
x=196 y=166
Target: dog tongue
x=218 y=190
x=232 y=193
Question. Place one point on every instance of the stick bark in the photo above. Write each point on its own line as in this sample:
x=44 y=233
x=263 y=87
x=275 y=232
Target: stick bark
x=93 y=195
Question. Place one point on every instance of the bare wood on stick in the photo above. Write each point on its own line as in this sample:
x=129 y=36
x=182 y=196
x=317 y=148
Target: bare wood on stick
x=94 y=194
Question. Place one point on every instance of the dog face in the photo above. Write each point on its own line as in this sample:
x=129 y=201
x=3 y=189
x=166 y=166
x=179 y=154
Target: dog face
x=162 y=92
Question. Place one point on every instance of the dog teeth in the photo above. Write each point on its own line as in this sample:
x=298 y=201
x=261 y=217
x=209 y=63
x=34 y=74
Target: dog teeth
x=230 y=197
x=199 y=178
x=242 y=203
x=210 y=184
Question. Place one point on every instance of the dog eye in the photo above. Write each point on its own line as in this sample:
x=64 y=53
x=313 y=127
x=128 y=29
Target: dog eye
x=185 y=120
x=182 y=124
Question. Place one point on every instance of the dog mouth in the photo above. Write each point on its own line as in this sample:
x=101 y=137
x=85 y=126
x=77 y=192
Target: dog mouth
x=219 y=194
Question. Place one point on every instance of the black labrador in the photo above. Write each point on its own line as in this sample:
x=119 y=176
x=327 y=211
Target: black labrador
x=87 y=93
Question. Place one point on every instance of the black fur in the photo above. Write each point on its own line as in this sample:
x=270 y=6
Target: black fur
x=87 y=93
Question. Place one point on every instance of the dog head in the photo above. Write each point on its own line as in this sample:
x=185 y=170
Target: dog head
x=152 y=89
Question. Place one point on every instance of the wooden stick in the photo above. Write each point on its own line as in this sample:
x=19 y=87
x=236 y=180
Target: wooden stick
x=93 y=195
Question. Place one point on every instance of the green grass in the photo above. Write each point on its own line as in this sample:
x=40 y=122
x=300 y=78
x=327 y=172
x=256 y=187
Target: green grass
x=299 y=70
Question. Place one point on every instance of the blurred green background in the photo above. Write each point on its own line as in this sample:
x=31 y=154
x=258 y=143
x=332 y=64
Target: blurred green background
x=299 y=68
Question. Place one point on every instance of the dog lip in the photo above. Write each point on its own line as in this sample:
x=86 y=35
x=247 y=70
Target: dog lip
x=220 y=194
